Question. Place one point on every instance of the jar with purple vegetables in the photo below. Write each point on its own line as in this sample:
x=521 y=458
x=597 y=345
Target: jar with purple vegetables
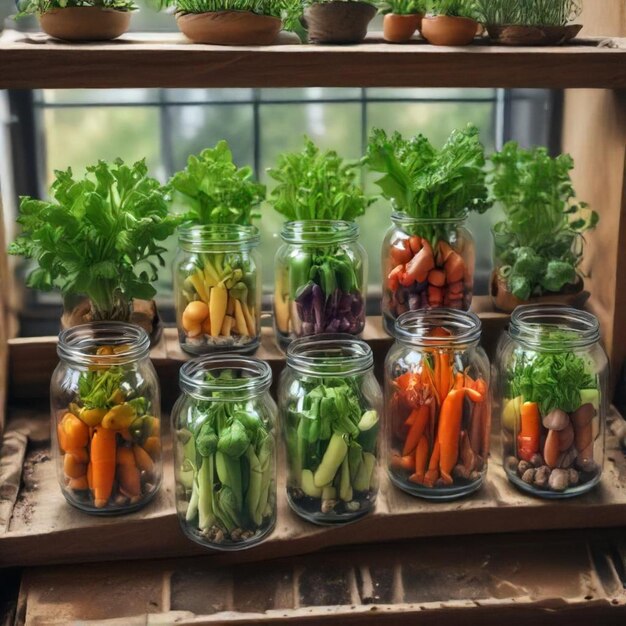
x=321 y=278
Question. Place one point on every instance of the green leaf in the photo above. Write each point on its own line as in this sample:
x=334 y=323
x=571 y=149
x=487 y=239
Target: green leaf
x=558 y=274
x=234 y=440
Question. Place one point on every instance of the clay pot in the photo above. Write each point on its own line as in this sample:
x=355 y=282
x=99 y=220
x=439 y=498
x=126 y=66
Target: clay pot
x=444 y=30
x=230 y=28
x=504 y=300
x=338 y=22
x=85 y=23
x=400 y=28
x=514 y=35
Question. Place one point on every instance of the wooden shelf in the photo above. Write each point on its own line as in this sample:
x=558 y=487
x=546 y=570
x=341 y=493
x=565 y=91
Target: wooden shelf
x=168 y=60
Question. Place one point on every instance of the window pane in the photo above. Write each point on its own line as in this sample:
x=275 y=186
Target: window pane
x=97 y=96
x=200 y=96
x=429 y=93
x=311 y=93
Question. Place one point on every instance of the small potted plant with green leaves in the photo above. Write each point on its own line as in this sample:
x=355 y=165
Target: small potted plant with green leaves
x=97 y=240
x=80 y=20
x=402 y=18
x=338 y=21
x=235 y=22
x=538 y=246
x=451 y=23
x=530 y=22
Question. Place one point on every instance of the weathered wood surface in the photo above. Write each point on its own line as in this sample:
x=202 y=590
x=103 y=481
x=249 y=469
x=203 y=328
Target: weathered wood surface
x=168 y=60
x=43 y=529
x=4 y=323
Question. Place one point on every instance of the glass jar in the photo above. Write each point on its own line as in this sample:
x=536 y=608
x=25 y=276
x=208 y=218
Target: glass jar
x=224 y=425
x=330 y=403
x=217 y=286
x=106 y=426
x=438 y=404
x=426 y=264
x=553 y=395
x=321 y=280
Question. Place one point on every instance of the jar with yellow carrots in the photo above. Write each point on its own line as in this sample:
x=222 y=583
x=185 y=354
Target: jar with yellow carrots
x=106 y=427
x=217 y=287
x=553 y=397
x=438 y=404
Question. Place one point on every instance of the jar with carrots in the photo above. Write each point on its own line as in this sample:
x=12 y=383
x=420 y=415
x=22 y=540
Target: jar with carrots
x=106 y=427
x=437 y=394
x=552 y=396
x=427 y=264
x=217 y=287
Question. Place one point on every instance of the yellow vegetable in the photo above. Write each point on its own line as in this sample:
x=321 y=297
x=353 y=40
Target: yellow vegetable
x=227 y=326
x=206 y=326
x=240 y=320
x=119 y=417
x=512 y=414
x=197 y=280
x=92 y=417
x=230 y=307
x=250 y=321
x=281 y=312
x=210 y=274
x=217 y=307
x=196 y=311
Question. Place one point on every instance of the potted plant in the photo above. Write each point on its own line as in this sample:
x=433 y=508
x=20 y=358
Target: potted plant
x=338 y=21
x=97 y=241
x=80 y=20
x=530 y=22
x=402 y=19
x=428 y=255
x=538 y=246
x=321 y=269
x=451 y=23
x=235 y=22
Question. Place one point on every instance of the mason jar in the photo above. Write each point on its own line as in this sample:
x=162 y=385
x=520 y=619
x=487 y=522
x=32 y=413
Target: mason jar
x=330 y=405
x=217 y=287
x=426 y=264
x=553 y=397
x=438 y=404
x=224 y=426
x=321 y=280
x=106 y=410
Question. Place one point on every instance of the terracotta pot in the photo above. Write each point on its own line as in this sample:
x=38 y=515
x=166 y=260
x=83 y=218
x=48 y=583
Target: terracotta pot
x=85 y=23
x=443 y=30
x=338 y=22
x=230 y=28
x=400 y=28
x=504 y=300
x=514 y=35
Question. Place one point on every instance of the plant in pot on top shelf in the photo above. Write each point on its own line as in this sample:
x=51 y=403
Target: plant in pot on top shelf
x=402 y=19
x=80 y=20
x=451 y=23
x=538 y=246
x=428 y=255
x=338 y=21
x=97 y=241
x=530 y=22
x=321 y=269
x=217 y=275
x=235 y=22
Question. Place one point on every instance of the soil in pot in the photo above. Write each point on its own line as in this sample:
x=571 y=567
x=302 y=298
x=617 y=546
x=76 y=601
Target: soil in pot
x=444 y=30
x=515 y=35
x=400 y=28
x=230 y=28
x=85 y=23
x=338 y=22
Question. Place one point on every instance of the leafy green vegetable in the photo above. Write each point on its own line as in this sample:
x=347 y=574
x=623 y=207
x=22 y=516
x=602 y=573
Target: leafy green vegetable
x=454 y=8
x=403 y=7
x=96 y=236
x=39 y=7
x=315 y=185
x=215 y=190
x=97 y=388
x=529 y=12
x=538 y=245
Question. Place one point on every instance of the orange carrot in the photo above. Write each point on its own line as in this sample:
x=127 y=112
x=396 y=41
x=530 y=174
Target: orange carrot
x=421 y=460
x=437 y=278
x=76 y=432
x=446 y=376
x=415 y=244
x=459 y=380
x=102 y=465
x=78 y=484
x=455 y=268
x=401 y=252
x=127 y=473
x=435 y=295
x=444 y=251
x=433 y=467
x=419 y=266
x=90 y=477
x=403 y=462
x=152 y=446
x=417 y=430
x=394 y=277
x=143 y=460
x=530 y=431
x=456 y=289
x=73 y=468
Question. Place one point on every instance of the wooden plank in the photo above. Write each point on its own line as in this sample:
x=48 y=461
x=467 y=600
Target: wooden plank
x=44 y=529
x=168 y=60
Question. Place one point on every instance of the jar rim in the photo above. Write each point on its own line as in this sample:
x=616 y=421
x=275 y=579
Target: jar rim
x=400 y=218
x=554 y=327
x=200 y=237
x=319 y=232
x=331 y=355
x=413 y=328
x=193 y=377
x=77 y=344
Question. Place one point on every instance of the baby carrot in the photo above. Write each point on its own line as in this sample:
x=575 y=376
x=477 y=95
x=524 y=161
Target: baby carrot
x=421 y=460
x=403 y=462
x=530 y=432
x=417 y=429
x=102 y=465
x=127 y=473
x=433 y=467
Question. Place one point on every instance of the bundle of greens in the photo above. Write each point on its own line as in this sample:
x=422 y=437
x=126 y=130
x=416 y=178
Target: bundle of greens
x=215 y=191
x=528 y=12
x=538 y=246
x=403 y=7
x=96 y=236
x=332 y=444
x=39 y=7
x=454 y=8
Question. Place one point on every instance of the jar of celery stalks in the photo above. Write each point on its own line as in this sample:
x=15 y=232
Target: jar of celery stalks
x=552 y=393
x=224 y=425
x=106 y=428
